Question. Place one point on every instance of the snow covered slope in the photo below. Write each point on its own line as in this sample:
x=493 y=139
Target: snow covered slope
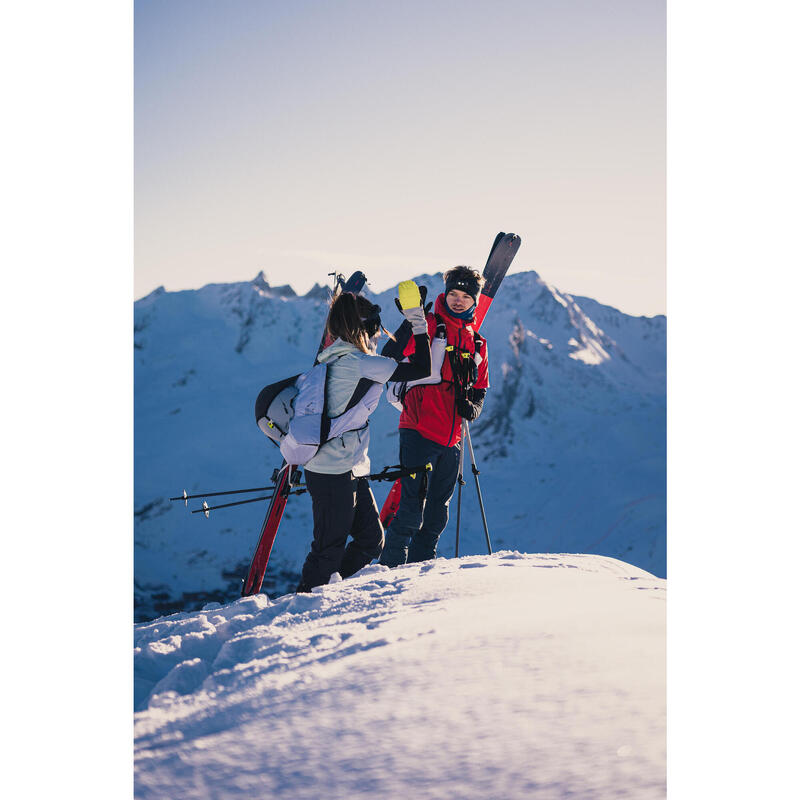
x=571 y=444
x=505 y=676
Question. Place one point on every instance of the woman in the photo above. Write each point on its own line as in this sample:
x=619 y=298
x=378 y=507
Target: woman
x=342 y=502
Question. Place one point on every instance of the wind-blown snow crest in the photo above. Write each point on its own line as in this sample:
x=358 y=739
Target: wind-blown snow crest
x=504 y=676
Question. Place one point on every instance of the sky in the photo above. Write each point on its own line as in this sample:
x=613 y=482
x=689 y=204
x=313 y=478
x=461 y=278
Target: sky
x=399 y=138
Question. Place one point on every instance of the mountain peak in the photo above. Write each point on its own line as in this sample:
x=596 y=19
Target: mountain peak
x=260 y=282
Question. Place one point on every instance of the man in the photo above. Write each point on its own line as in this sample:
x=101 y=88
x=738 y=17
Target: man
x=430 y=423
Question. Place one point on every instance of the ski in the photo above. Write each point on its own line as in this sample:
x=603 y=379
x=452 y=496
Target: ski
x=495 y=243
x=285 y=478
x=500 y=258
x=501 y=254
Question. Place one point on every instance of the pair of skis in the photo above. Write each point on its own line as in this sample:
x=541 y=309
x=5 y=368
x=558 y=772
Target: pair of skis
x=503 y=250
x=500 y=257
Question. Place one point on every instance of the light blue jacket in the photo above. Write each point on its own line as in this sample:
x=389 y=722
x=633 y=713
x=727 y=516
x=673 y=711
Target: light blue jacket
x=347 y=366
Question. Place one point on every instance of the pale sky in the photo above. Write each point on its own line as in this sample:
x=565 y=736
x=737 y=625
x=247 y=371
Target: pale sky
x=398 y=137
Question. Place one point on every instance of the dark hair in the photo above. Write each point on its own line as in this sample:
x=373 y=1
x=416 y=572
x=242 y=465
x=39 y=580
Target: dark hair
x=352 y=318
x=464 y=273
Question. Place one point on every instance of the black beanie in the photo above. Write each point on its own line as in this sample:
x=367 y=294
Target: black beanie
x=467 y=284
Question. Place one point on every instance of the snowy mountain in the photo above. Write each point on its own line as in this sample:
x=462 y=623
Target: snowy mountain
x=506 y=676
x=571 y=444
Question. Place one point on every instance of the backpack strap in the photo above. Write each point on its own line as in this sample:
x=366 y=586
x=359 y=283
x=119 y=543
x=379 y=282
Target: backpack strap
x=325 y=420
x=362 y=387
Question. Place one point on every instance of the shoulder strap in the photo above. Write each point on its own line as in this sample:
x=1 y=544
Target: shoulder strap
x=362 y=387
x=324 y=419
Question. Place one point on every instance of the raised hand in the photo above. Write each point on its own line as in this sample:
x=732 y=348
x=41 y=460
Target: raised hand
x=409 y=302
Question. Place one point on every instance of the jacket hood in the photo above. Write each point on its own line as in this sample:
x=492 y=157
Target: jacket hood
x=337 y=348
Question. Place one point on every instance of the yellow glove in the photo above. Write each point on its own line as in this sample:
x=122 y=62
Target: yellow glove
x=409 y=301
x=408 y=295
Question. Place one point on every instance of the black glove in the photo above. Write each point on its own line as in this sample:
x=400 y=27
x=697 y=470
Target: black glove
x=469 y=411
x=470 y=404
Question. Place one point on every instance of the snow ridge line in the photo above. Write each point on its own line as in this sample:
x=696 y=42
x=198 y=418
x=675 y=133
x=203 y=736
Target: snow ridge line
x=251 y=638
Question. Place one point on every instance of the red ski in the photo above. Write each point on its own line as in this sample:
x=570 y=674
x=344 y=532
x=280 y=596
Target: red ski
x=269 y=529
x=501 y=255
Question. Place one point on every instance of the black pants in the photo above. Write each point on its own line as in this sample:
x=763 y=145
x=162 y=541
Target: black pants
x=343 y=506
x=415 y=531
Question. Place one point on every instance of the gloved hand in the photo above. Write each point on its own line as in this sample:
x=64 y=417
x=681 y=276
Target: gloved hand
x=469 y=411
x=409 y=301
x=423 y=296
x=470 y=404
x=408 y=295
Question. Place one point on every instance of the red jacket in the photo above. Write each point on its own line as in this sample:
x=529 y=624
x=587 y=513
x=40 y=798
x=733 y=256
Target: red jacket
x=430 y=409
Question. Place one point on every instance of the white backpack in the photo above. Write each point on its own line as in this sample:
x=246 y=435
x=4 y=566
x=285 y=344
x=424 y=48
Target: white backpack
x=293 y=413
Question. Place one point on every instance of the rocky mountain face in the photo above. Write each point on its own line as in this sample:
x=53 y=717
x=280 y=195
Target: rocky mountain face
x=571 y=444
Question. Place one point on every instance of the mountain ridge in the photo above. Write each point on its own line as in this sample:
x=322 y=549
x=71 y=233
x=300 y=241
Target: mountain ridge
x=571 y=444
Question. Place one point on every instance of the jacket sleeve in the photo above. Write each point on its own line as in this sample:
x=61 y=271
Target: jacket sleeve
x=419 y=362
x=394 y=348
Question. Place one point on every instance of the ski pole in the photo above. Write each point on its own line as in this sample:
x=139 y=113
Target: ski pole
x=476 y=472
x=299 y=489
x=461 y=482
x=186 y=497
x=400 y=472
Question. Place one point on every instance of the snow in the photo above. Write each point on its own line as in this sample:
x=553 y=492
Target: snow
x=502 y=676
x=572 y=438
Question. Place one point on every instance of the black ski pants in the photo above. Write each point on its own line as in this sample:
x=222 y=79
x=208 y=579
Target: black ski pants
x=414 y=533
x=342 y=506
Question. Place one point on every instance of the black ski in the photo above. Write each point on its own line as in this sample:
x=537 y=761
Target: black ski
x=500 y=257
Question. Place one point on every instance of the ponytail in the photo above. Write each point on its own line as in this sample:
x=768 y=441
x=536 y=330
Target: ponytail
x=346 y=319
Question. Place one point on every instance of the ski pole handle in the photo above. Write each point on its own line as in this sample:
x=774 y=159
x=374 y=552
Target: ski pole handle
x=400 y=473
